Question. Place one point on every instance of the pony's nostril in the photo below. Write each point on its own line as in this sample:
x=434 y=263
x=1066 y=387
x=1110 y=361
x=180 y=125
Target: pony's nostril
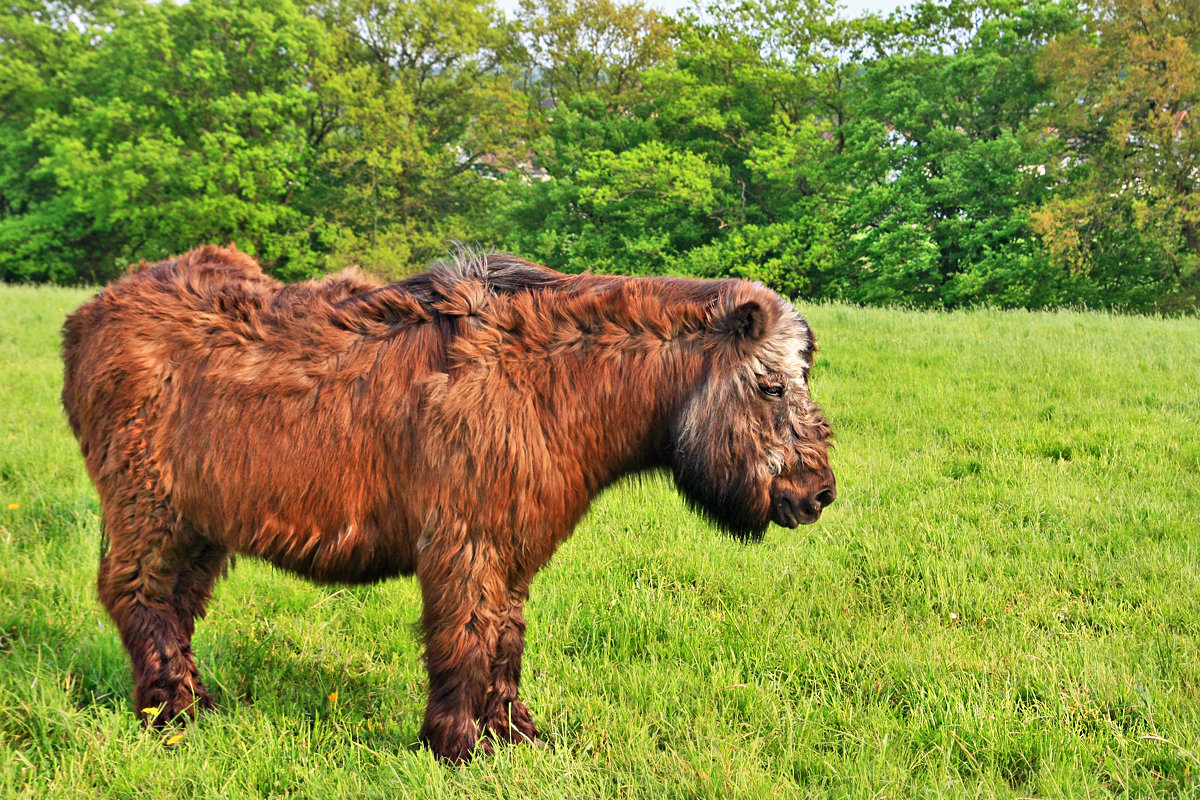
x=786 y=505
x=787 y=511
x=826 y=497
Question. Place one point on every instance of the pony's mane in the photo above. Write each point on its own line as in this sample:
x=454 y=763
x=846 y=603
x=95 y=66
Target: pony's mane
x=465 y=284
x=500 y=273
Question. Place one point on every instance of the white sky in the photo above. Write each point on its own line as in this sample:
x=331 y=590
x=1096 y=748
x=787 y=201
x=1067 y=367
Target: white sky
x=856 y=8
x=852 y=8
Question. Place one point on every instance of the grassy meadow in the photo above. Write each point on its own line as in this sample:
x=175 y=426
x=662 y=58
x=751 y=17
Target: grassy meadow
x=1003 y=602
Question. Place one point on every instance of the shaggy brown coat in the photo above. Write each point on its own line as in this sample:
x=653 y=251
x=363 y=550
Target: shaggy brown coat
x=455 y=425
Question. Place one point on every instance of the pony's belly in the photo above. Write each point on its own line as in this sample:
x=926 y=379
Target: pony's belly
x=351 y=553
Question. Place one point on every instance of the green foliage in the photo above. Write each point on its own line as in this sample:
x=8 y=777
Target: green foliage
x=957 y=153
x=944 y=169
x=591 y=49
x=423 y=91
x=169 y=125
x=634 y=211
x=1126 y=89
x=309 y=139
x=1001 y=603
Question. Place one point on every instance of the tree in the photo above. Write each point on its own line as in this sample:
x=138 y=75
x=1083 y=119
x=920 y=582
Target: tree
x=619 y=197
x=941 y=164
x=157 y=127
x=1127 y=211
x=36 y=40
x=755 y=91
x=427 y=108
x=578 y=49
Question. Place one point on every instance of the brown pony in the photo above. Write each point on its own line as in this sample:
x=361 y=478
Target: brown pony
x=455 y=425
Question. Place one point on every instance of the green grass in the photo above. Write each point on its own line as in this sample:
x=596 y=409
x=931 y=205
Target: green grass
x=1002 y=603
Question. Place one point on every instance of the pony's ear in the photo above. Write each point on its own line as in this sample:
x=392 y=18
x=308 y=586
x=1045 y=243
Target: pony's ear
x=747 y=321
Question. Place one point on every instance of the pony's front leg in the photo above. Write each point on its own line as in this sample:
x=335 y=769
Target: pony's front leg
x=465 y=594
x=506 y=717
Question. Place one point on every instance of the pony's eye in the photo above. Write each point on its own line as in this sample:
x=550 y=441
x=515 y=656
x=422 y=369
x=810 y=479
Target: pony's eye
x=771 y=391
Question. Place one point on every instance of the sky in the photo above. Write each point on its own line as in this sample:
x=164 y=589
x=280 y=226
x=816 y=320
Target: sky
x=856 y=8
x=853 y=8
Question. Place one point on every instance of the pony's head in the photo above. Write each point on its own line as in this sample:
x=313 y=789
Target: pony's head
x=749 y=445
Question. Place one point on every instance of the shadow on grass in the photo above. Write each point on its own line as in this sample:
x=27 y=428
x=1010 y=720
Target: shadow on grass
x=57 y=681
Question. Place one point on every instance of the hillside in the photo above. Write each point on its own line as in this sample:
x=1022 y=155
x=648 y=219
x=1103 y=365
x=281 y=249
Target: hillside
x=1002 y=602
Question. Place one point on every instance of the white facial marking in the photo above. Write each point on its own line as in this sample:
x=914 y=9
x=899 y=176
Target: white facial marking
x=785 y=354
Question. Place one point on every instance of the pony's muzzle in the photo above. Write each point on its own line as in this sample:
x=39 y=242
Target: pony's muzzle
x=794 y=506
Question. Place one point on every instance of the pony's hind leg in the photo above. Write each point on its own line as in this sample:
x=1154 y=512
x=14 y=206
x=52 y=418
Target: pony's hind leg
x=154 y=581
x=193 y=590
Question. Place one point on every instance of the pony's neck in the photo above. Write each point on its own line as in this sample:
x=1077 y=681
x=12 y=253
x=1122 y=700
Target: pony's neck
x=620 y=371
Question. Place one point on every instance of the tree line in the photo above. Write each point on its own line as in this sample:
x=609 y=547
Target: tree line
x=958 y=152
